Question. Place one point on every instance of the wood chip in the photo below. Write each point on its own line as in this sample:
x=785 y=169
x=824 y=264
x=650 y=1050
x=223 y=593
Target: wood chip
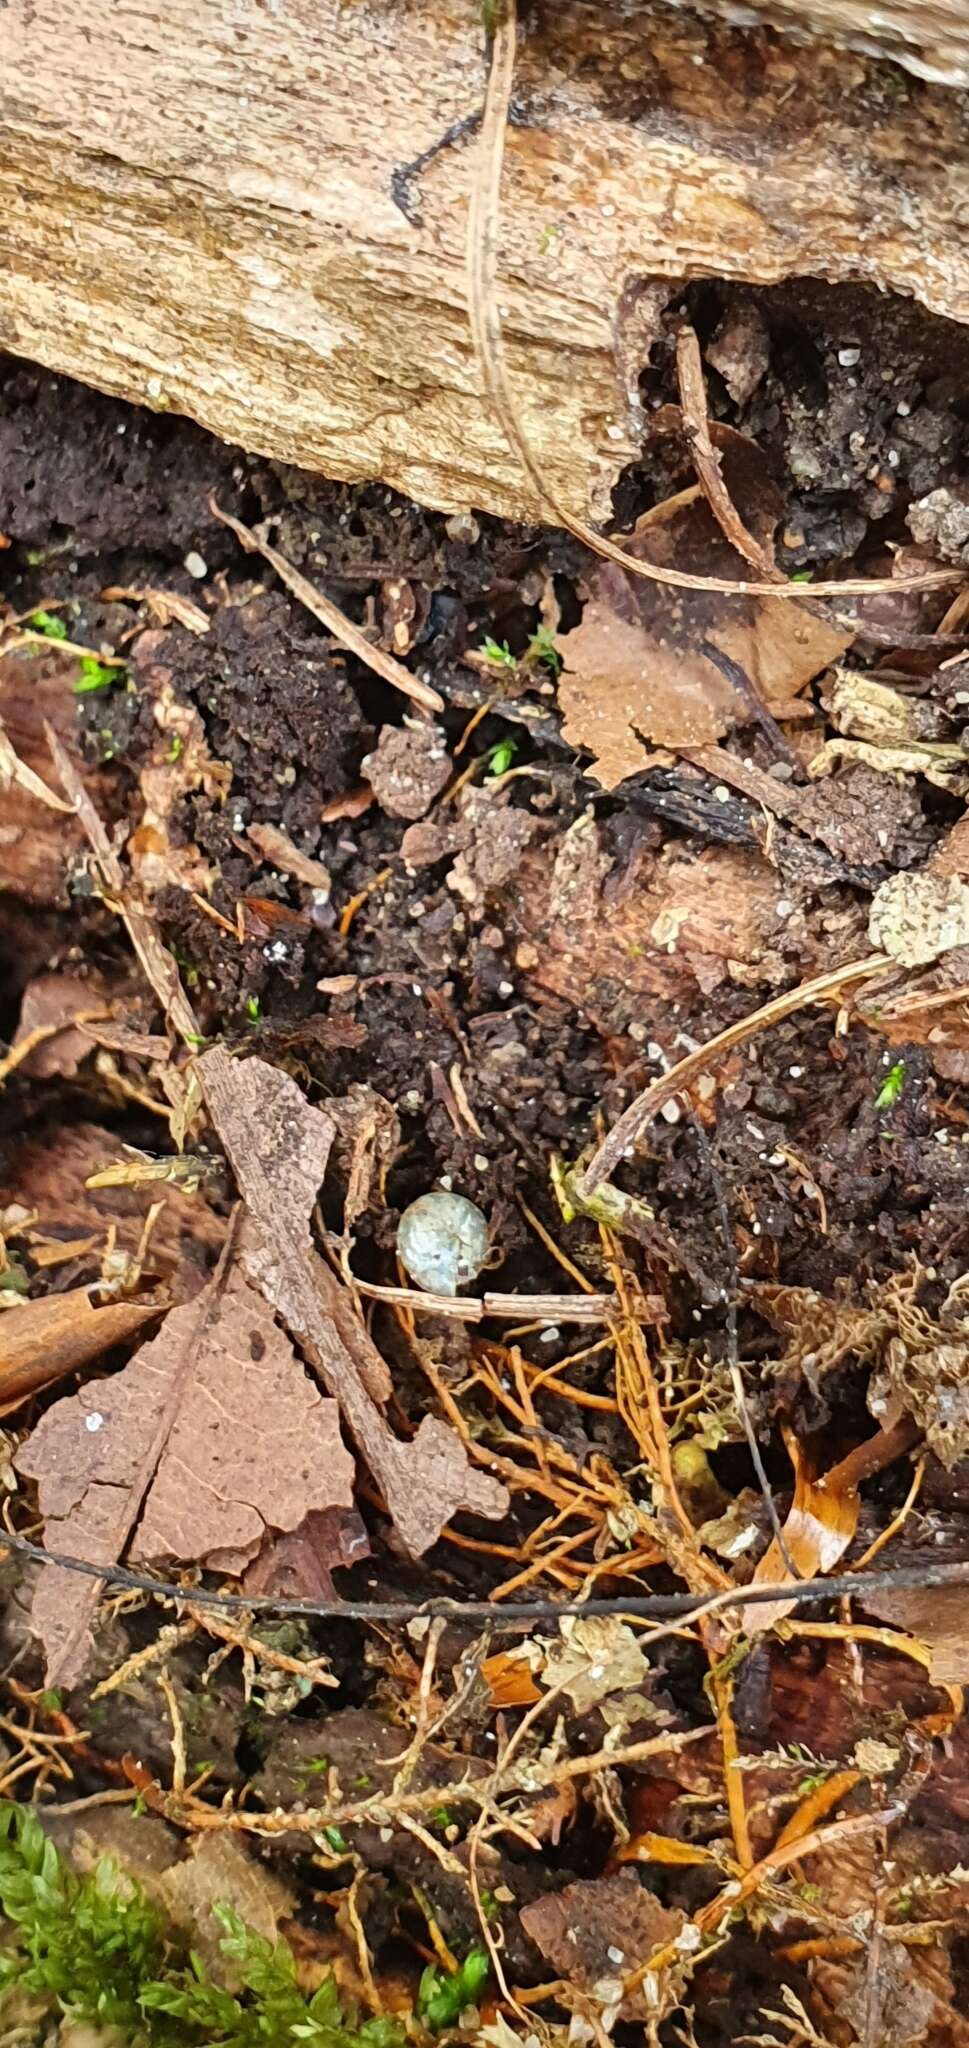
x=277 y=847
x=41 y=1341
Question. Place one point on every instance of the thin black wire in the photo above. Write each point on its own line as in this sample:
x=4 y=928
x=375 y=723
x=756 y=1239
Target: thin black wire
x=647 y=1607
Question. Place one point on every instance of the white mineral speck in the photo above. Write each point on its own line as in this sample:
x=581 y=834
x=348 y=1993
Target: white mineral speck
x=94 y=1421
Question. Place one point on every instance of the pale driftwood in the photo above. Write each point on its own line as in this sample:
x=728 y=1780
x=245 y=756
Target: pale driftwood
x=196 y=211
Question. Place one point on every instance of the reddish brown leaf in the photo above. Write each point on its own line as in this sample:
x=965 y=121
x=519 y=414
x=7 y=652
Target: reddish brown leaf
x=279 y=1147
x=635 y=666
x=212 y=1435
x=603 y=1927
x=56 y=999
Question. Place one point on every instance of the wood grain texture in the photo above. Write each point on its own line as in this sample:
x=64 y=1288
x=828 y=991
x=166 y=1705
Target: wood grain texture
x=196 y=212
x=930 y=37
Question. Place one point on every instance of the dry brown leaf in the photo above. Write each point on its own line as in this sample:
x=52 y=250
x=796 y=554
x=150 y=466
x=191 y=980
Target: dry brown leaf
x=56 y=999
x=599 y=1929
x=40 y=1341
x=218 y=1870
x=635 y=670
x=212 y=1435
x=820 y=1524
x=300 y=1563
x=279 y=1146
x=277 y=847
x=36 y=842
x=508 y=1676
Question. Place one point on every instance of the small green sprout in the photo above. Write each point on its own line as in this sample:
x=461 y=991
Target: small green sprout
x=891 y=1089
x=14 y=1280
x=543 y=651
x=336 y=1840
x=802 y=576
x=253 y=1009
x=95 y=675
x=441 y=2000
x=501 y=757
x=51 y=1700
x=499 y=653
x=176 y=749
x=49 y=624
x=442 y=1817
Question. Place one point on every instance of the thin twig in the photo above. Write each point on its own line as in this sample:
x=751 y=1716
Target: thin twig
x=625 y=1134
x=650 y=1606
x=332 y=618
x=485 y=320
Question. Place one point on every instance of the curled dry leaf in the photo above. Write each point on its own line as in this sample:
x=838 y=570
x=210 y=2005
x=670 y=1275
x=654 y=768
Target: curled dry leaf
x=278 y=1146
x=819 y=1526
x=218 y=1870
x=212 y=1435
x=635 y=666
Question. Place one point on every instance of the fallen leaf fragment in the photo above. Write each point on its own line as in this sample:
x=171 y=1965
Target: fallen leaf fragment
x=212 y=1435
x=635 y=667
x=936 y=1616
x=915 y=918
x=56 y=1000
x=217 y=1870
x=40 y=1341
x=594 y=1658
x=167 y=606
x=278 y=1146
x=599 y=1930
x=300 y=1563
x=820 y=1524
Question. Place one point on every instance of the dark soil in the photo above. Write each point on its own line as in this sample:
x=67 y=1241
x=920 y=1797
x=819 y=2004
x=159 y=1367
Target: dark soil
x=446 y=960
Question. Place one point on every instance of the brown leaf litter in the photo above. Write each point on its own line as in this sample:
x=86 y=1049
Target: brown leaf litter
x=210 y=1436
x=637 y=667
x=278 y=1146
x=46 y=1199
x=37 y=841
x=598 y=1930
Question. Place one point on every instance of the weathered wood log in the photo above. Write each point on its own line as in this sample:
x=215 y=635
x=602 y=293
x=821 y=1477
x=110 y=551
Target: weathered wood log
x=199 y=210
x=930 y=37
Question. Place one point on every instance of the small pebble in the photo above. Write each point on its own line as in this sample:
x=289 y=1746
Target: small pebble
x=443 y=1242
x=196 y=565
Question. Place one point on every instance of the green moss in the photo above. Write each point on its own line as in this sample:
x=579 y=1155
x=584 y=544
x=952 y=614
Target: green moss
x=95 y=1948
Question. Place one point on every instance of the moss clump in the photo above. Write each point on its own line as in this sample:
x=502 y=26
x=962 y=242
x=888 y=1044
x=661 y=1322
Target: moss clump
x=96 y=1948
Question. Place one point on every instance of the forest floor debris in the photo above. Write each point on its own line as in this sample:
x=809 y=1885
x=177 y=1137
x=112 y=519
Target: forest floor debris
x=356 y=870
